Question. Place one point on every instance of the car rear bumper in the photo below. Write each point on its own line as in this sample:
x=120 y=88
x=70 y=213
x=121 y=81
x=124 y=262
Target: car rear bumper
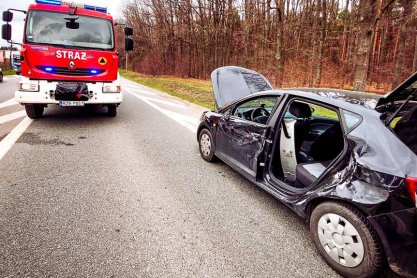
x=398 y=233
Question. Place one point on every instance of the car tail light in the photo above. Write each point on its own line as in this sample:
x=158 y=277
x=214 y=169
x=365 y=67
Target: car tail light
x=412 y=188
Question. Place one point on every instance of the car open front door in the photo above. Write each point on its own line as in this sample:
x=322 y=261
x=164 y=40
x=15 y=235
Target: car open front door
x=241 y=143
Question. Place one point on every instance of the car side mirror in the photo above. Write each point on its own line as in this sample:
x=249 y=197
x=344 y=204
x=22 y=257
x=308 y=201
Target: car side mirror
x=128 y=31
x=227 y=116
x=7 y=16
x=6 y=32
x=128 y=44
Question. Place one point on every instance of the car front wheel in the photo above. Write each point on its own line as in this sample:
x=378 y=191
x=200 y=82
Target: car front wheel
x=34 y=111
x=205 y=141
x=346 y=240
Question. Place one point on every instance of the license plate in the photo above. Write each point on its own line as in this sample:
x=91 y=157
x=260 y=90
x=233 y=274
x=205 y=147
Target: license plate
x=71 y=103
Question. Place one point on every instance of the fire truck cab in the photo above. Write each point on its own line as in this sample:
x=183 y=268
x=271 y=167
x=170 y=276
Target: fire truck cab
x=68 y=56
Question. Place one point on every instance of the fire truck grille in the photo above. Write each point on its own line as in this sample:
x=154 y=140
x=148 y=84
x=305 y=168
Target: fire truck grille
x=70 y=72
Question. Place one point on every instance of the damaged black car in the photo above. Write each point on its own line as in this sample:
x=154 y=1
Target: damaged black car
x=344 y=161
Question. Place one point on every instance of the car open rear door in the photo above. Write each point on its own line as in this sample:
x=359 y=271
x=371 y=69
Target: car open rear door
x=233 y=83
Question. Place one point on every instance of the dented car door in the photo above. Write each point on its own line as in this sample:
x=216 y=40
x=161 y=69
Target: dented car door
x=241 y=142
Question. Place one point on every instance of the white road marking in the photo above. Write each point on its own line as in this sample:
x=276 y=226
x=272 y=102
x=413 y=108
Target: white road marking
x=10 y=77
x=12 y=116
x=139 y=90
x=188 y=122
x=166 y=102
x=7 y=143
x=8 y=103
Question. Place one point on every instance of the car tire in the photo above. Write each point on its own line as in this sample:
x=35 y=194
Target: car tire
x=346 y=239
x=112 y=110
x=206 y=146
x=1 y=77
x=34 y=111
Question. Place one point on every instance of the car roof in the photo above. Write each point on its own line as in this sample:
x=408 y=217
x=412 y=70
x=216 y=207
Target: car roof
x=326 y=96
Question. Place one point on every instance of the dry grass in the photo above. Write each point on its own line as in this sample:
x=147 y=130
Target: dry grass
x=8 y=72
x=193 y=90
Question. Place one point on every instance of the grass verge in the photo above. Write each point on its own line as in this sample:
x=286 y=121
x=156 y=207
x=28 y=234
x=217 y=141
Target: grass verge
x=8 y=72
x=193 y=90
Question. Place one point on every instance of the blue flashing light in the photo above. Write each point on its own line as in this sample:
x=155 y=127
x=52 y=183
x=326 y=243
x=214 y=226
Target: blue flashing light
x=50 y=2
x=93 y=71
x=60 y=2
x=49 y=69
x=95 y=8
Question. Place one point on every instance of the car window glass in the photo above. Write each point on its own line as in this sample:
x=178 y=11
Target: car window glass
x=322 y=112
x=351 y=119
x=257 y=110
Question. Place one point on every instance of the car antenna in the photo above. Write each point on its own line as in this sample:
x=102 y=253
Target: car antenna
x=401 y=107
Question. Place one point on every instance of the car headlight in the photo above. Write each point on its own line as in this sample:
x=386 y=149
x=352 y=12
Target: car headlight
x=111 y=89
x=28 y=87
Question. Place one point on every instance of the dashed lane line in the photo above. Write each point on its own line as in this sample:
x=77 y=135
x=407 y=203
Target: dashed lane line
x=7 y=143
x=186 y=121
x=12 y=116
x=11 y=77
x=8 y=103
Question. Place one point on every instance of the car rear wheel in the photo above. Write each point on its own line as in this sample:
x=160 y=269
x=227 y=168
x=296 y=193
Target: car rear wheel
x=1 y=77
x=206 y=145
x=34 y=111
x=346 y=240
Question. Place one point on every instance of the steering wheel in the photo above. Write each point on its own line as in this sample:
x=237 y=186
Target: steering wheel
x=258 y=112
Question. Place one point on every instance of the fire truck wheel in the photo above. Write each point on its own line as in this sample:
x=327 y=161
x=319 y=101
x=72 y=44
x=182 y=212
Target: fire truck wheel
x=34 y=111
x=112 y=110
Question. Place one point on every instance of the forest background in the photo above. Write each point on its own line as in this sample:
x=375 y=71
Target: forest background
x=351 y=44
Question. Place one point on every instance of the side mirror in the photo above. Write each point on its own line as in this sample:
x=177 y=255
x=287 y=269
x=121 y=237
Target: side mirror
x=128 y=31
x=226 y=116
x=7 y=16
x=72 y=25
x=6 y=32
x=128 y=44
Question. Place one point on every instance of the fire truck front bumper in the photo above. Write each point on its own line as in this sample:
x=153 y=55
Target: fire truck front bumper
x=43 y=92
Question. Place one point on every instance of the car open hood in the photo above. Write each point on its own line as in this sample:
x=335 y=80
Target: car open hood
x=400 y=93
x=233 y=83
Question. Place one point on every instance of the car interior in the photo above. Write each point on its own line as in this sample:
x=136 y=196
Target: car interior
x=406 y=129
x=256 y=110
x=311 y=138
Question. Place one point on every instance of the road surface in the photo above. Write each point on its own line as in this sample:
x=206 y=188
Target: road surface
x=85 y=195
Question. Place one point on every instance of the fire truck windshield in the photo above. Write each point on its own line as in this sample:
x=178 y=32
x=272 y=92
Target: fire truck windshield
x=43 y=27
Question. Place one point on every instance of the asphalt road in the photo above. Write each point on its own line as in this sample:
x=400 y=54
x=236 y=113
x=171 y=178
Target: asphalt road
x=85 y=195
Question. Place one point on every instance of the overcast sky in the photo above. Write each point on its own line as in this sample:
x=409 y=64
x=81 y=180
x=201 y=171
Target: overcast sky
x=114 y=8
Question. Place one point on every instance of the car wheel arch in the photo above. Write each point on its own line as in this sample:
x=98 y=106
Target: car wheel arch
x=201 y=127
x=312 y=204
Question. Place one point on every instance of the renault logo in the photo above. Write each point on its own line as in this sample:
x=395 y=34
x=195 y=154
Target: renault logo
x=71 y=64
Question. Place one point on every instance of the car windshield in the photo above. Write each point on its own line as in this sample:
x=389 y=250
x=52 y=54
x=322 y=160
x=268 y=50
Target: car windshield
x=51 y=28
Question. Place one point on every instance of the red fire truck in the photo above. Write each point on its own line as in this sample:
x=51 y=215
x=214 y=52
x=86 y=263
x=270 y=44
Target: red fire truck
x=68 y=56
